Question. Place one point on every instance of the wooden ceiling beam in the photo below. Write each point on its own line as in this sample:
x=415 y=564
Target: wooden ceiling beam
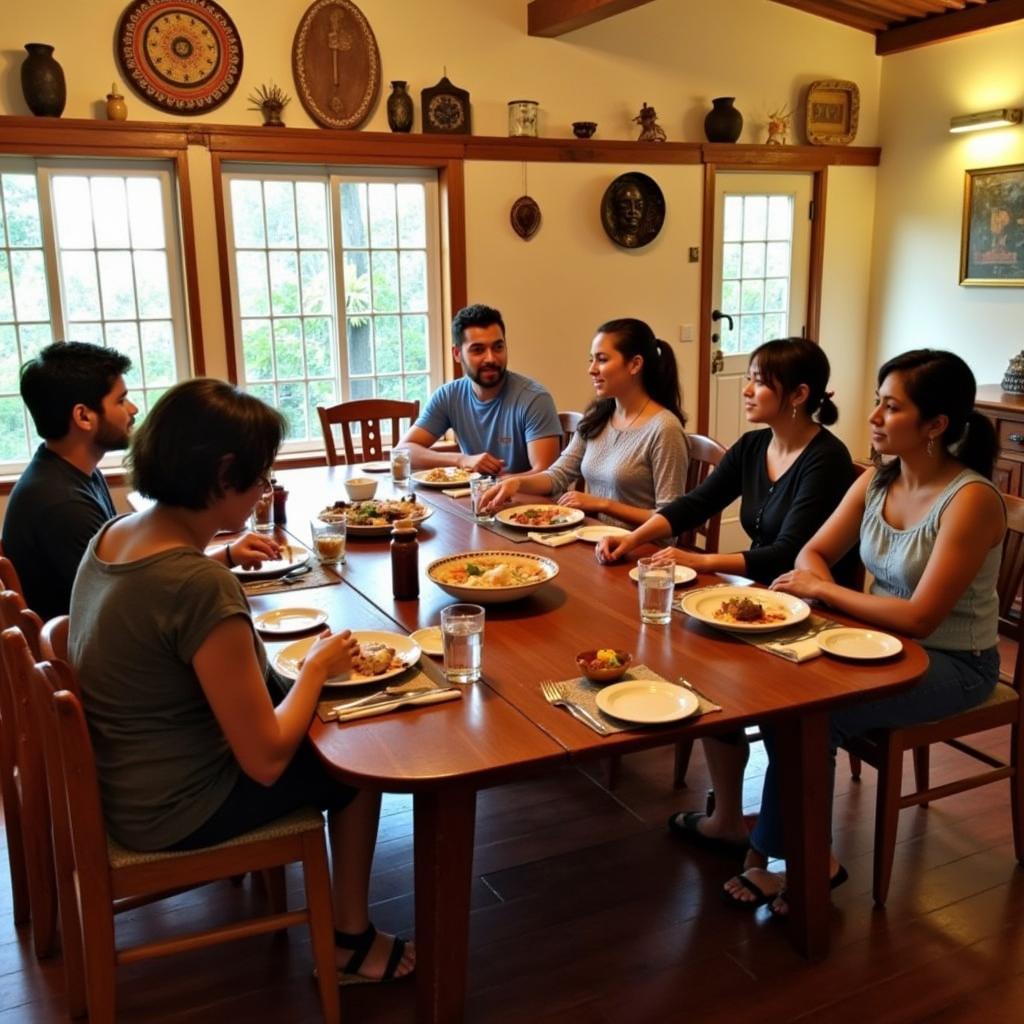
x=948 y=26
x=552 y=18
x=850 y=16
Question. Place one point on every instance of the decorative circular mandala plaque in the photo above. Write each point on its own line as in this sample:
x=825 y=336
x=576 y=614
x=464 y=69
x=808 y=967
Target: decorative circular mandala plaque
x=183 y=56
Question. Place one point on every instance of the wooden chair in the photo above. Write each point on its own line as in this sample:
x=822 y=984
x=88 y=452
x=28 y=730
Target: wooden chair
x=705 y=454
x=9 y=579
x=569 y=421
x=884 y=748
x=368 y=414
x=53 y=639
x=94 y=871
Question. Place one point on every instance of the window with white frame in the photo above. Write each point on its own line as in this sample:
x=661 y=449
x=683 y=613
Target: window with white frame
x=335 y=287
x=88 y=252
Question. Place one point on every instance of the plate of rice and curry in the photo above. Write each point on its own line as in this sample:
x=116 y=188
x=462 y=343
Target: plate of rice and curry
x=745 y=609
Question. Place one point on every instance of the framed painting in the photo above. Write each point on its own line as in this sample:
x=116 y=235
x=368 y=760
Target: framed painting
x=992 y=237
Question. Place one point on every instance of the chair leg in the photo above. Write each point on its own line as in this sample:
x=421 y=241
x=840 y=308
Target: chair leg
x=683 y=751
x=855 y=767
x=1017 y=790
x=100 y=961
x=321 y=924
x=614 y=763
x=922 y=763
x=277 y=892
x=887 y=813
x=16 y=858
x=42 y=883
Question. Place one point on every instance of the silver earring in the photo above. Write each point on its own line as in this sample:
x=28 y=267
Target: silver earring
x=930 y=449
x=794 y=412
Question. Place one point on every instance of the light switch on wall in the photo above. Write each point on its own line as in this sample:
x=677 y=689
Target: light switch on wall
x=686 y=332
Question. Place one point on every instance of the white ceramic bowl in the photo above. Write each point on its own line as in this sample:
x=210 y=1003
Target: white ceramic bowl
x=487 y=560
x=360 y=488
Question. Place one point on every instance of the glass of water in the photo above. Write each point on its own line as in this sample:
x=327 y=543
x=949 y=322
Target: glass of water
x=657 y=583
x=462 y=630
x=478 y=487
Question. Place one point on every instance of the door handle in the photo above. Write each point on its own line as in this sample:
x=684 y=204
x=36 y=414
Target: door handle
x=717 y=315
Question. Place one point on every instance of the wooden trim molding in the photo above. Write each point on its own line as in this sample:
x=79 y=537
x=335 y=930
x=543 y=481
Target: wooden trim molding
x=707 y=270
x=816 y=268
x=951 y=24
x=553 y=18
x=188 y=246
x=224 y=267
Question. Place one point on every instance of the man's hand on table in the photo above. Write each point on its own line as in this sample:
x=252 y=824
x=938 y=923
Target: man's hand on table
x=485 y=463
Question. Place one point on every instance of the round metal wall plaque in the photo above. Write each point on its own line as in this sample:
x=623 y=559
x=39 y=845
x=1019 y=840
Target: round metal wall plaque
x=183 y=56
x=633 y=210
x=336 y=64
x=525 y=217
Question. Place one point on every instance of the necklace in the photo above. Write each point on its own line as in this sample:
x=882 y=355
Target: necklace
x=631 y=420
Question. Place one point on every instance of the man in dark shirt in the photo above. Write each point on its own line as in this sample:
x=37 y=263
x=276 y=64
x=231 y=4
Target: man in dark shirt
x=79 y=404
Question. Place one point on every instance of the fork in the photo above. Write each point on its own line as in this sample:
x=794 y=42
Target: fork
x=693 y=689
x=554 y=693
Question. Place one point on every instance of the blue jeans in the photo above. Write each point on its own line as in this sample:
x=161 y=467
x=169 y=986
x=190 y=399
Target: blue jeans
x=954 y=681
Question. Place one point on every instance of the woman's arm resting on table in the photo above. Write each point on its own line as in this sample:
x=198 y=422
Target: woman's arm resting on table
x=611 y=549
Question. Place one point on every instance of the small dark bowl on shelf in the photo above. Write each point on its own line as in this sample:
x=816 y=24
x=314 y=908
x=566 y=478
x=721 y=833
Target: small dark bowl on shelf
x=597 y=672
x=584 y=129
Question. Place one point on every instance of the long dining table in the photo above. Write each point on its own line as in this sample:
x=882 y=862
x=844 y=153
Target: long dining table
x=504 y=730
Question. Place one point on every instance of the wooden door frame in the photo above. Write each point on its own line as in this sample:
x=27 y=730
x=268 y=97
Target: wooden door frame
x=816 y=262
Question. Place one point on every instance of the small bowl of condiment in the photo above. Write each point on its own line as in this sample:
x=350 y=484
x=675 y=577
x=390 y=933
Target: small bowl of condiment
x=603 y=664
x=360 y=488
x=584 y=129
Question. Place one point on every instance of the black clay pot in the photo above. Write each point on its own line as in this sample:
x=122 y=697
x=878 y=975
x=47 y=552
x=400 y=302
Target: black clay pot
x=42 y=81
x=399 y=108
x=723 y=122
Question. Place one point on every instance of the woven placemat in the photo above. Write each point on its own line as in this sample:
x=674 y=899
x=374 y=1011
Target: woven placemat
x=584 y=692
x=317 y=576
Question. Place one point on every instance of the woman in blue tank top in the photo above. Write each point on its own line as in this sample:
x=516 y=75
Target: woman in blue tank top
x=930 y=525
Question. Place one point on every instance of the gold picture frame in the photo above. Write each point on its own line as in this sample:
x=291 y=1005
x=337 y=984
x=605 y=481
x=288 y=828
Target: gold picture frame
x=833 y=110
x=992 y=234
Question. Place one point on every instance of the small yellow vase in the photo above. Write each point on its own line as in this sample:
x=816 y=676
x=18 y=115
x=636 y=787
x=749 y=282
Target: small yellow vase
x=117 y=109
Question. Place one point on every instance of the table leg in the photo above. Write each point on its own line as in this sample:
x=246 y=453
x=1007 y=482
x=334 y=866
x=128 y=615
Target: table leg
x=802 y=752
x=444 y=825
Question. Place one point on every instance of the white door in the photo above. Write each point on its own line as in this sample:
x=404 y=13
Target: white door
x=759 y=292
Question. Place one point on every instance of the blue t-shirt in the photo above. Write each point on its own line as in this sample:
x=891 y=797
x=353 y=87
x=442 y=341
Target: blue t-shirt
x=523 y=411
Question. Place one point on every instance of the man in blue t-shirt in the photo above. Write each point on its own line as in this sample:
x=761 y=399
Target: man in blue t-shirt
x=505 y=422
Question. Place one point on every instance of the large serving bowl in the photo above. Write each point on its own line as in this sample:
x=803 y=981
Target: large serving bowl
x=455 y=575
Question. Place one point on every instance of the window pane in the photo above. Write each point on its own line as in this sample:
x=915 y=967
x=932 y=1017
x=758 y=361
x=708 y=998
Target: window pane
x=10 y=358
x=110 y=207
x=72 y=207
x=730 y=297
x=317 y=330
x=6 y=295
x=780 y=217
x=385 y=281
x=732 y=260
x=284 y=283
x=252 y=284
x=777 y=262
x=775 y=326
x=732 y=219
x=125 y=338
x=389 y=387
x=79 y=286
x=753 y=259
x=116 y=285
x=264 y=392
x=752 y=297
x=357 y=283
x=414 y=281
x=387 y=344
x=151 y=285
x=29 y=274
x=316 y=285
x=383 y=229
x=417 y=388
x=279 y=197
x=21 y=210
x=288 y=348
x=776 y=295
x=291 y=399
x=146 y=213
x=751 y=332
x=34 y=338
x=360 y=350
x=755 y=216
x=414 y=342
x=157 y=338
x=362 y=388
x=354 y=232
x=90 y=332
x=247 y=213
x=13 y=435
x=259 y=363
x=412 y=216
x=321 y=392
x=311 y=200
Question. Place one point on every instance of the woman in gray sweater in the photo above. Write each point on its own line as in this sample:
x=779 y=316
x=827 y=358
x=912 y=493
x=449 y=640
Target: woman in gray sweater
x=630 y=446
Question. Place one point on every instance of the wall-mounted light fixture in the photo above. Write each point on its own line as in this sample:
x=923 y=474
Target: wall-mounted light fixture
x=986 y=119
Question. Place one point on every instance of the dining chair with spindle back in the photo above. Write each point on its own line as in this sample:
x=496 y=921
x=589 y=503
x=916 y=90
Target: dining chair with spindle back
x=569 y=421
x=368 y=414
x=9 y=578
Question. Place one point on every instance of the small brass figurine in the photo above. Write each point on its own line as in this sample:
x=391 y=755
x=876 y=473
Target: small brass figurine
x=650 y=130
x=778 y=127
x=270 y=101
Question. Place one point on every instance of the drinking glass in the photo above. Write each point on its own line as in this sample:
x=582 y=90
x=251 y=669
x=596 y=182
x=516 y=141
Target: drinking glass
x=462 y=630
x=400 y=465
x=657 y=582
x=478 y=486
x=262 y=519
x=329 y=540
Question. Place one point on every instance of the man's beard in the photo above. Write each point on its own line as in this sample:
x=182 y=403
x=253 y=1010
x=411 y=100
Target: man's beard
x=475 y=377
x=110 y=439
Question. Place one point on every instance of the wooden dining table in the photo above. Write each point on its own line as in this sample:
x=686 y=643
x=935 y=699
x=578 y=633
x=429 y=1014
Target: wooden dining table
x=504 y=730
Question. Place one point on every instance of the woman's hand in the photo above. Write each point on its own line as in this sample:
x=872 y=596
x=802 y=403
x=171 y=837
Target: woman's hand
x=333 y=653
x=584 y=501
x=251 y=550
x=800 y=583
x=676 y=556
x=611 y=549
x=499 y=495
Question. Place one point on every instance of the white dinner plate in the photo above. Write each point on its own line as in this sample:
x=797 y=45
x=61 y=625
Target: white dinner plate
x=376 y=467
x=566 y=517
x=289 y=620
x=683 y=574
x=289 y=659
x=455 y=478
x=704 y=603
x=647 y=701
x=292 y=556
x=592 y=534
x=430 y=640
x=859 y=644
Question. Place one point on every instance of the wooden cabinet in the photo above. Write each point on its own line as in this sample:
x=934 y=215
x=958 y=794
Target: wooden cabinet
x=1006 y=412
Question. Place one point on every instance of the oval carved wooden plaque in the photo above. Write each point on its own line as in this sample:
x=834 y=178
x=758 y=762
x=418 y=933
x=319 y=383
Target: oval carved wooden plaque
x=336 y=64
x=525 y=217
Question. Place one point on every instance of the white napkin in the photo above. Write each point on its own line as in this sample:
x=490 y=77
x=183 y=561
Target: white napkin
x=802 y=650
x=553 y=540
x=430 y=697
x=456 y=492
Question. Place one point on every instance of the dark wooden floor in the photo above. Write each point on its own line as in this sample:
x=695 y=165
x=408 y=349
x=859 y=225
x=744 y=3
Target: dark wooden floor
x=585 y=911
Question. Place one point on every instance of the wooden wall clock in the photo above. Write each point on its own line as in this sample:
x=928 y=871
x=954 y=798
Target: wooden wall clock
x=183 y=56
x=336 y=64
x=445 y=109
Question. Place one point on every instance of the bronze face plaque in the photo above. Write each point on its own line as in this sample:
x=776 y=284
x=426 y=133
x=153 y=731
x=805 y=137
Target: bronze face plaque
x=336 y=64
x=632 y=210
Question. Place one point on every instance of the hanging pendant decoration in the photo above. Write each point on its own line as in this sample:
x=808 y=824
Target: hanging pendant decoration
x=525 y=217
x=182 y=56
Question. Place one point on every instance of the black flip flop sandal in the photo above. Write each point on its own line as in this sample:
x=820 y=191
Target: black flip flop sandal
x=360 y=945
x=760 y=896
x=684 y=825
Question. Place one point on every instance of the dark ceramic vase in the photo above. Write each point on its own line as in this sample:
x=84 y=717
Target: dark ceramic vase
x=399 y=108
x=723 y=122
x=42 y=81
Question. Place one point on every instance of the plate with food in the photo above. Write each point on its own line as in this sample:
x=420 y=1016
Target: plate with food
x=375 y=518
x=745 y=609
x=381 y=656
x=684 y=574
x=858 y=644
x=491 y=577
x=540 y=517
x=592 y=534
x=443 y=476
x=647 y=701
x=292 y=557
x=289 y=620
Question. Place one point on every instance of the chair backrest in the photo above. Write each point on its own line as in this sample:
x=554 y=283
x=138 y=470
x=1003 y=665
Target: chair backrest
x=367 y=414
x=53 y=638
x=1011 y=575
x=569 y=421
x=705 y=454
x=9 y=578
